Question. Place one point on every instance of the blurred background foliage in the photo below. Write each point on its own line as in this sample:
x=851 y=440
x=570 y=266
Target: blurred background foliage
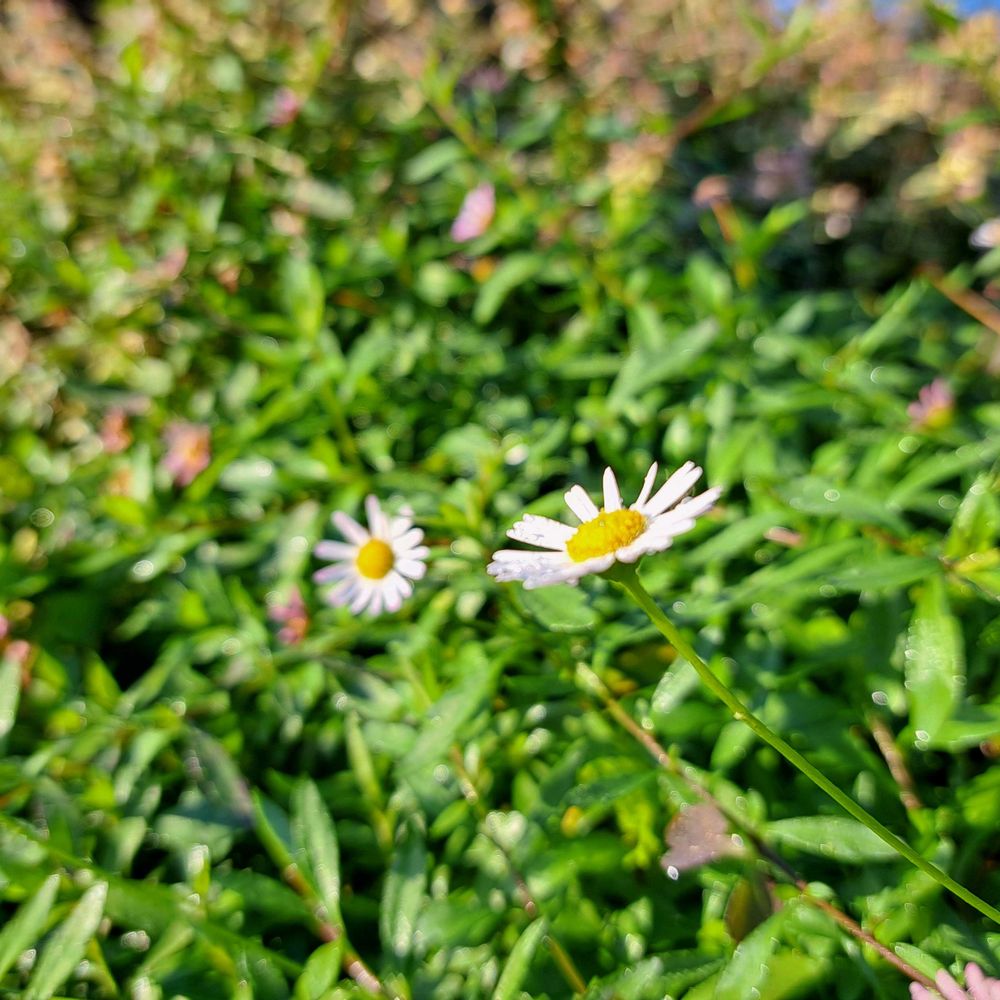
x=232 y=303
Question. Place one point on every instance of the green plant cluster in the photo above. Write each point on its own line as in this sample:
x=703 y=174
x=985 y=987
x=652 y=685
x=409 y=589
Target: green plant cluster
x=449 y=802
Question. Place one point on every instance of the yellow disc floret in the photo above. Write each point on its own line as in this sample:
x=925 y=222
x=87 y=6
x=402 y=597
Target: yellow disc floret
x=609 y=531
x=374 y=559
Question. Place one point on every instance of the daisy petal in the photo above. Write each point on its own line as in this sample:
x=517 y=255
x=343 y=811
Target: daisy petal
x=334 y=550
x=399 y=526
x=581 y=504
x=408 y=540
x=569 y=572
x=337 y=571
x=612 y=495
x=541 y=531
x=400 y=583
x=393 y=598
x=378 y=523
x=512 y=564
x=413 y=568
x=350 y=528
x=696 y=506
x=673 y=489
x=340 y=594
x=362 y=597
x=647 y=487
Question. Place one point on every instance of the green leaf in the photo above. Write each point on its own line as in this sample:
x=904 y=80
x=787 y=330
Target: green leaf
x=883 y=571
x=934 y=661
x=748 y=967
x=644 y=368
x=432 y=160
x=404 y=892
x=10 y=695
x=445 y=719
x=67 y=945
x=300 y=287
x=733 y=539
x=560 y=608
x=674 y=687
x=321 y=972
x=837 y=837
x=814 y=495
x=273 y=830
x=893 y=323
x=941 y=467
x=315 y=836
x=25 y=928
x=511 y=272
x=604 y=791
x=515 y=972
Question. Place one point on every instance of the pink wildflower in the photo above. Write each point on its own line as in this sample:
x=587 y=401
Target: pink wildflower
x=475 y=215
x=285 y=107
x=189 y=450
x=293 y=617
x=934 y=405
x=4 y=626
x=979 y=987
x=115 y=435
x=18 y=650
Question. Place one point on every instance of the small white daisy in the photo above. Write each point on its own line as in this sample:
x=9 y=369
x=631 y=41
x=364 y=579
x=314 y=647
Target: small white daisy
x=372 y=570
x=606 y=536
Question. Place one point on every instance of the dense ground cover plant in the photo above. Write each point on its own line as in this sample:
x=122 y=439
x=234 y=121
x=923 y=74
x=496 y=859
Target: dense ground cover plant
x=261 y=261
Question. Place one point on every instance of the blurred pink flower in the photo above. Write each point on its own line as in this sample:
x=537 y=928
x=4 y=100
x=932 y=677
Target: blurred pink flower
x=475 y=215
x=492 y=79
x=189 y=450
x=293 y=617
x=18 y=650
x=710 y=190
x=115 y=435
x=980 y=987
x=934 y=405
x=4 y=626
x=285 y=107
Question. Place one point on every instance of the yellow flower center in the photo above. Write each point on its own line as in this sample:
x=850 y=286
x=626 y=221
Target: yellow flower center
x=609 y=531
x=374 y=559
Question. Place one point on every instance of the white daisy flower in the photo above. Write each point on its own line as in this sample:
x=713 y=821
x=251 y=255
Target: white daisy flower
x=606 y=536
x=372 y=570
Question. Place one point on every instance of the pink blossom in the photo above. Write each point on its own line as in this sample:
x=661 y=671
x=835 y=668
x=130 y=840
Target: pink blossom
x=115 y=435
x=979 y=987
x=4 y=626
x=189 y=450
x=293 y=617
x=18 y=650
x=475 y=215
x=285 y=107
x=934 y=405
x=711 y=189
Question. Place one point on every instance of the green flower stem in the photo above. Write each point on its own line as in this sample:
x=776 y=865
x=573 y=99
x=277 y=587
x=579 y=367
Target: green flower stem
x=628 y=579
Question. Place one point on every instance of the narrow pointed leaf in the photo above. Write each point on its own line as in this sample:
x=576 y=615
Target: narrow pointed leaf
x=67 y=946
x=26 y=927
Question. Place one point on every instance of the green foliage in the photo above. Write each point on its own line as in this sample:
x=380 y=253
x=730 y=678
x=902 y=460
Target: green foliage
x=446 y=802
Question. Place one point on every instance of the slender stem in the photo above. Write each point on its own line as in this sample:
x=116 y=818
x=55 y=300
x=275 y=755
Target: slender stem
x=629 y=581
x=886 y=744
x=659 y=754
x=329 y=931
